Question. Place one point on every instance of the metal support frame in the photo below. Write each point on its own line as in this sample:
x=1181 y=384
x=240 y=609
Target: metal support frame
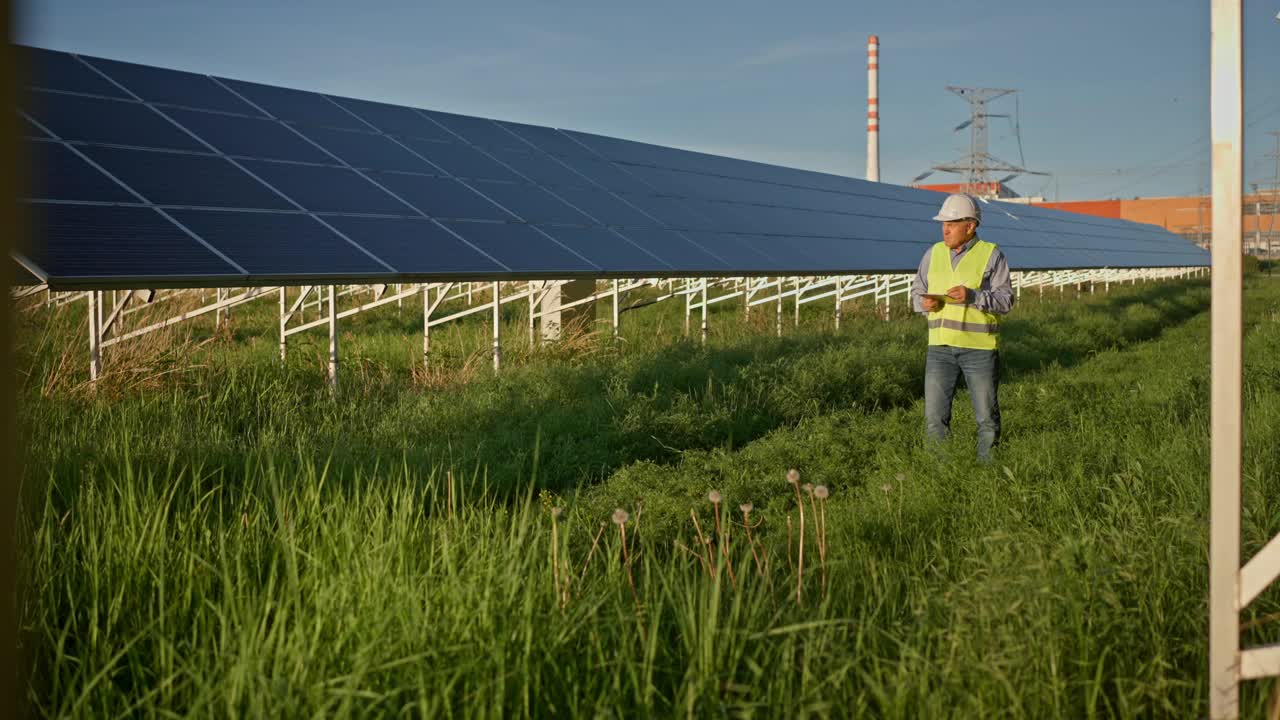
x=698 y=294
x=497 y=328
x=333 y=341
x=1231 y=587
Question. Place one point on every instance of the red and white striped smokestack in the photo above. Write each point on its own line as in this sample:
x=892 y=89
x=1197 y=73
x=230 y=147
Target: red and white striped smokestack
x=873 y=108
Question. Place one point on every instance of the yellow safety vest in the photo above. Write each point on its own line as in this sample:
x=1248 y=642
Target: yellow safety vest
x=960 y=325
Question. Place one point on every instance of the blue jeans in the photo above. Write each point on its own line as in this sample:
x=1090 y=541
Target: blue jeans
x=981 y=370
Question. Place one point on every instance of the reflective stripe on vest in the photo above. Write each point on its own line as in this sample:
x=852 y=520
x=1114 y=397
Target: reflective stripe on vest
x=960 y=325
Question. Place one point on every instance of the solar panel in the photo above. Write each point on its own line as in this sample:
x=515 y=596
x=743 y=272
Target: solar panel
x=416 y=246
x=274 y=245
x=395 y=120
x=249 y=137
x=520 y=246
x=57 y=173
x=296 y=105
x=111 y=122
x=366 y=150
x=480 y=132
x=265 y=182
x=321 y=188
x=129 y=244
x=608 y=251
x=460 y=161
x=172 y=87
x=531 y=203
x=54 y=70
x=442 y=197
x=206 y=180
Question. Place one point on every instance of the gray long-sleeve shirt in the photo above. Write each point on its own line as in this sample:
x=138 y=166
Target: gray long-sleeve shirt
x=995 y=295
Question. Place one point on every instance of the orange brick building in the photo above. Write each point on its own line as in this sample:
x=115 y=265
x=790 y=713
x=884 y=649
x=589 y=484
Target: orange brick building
x=1191 y=217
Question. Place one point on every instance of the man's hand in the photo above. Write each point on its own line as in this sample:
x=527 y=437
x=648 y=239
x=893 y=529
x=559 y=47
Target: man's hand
x=930 y=304
x=961 y=293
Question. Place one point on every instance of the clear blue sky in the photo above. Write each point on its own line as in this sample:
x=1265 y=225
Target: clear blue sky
x=1114 y=96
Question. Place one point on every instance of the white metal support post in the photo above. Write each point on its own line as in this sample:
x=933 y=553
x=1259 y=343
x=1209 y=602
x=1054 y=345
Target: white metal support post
x=95 y=339
x=839 y=289
x=1226 y=406
x=615 y=309
x=333 y=341
x=497 y=329
x=284 y=321
x=779 y=311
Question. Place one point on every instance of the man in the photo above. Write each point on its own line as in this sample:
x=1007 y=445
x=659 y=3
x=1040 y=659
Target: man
x=963 y=287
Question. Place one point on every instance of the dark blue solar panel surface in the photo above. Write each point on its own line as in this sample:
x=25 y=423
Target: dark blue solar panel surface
x=61 y=71
x=415 y=246
x=541 y=169
x=675 y=250
x=604 y=207
x=520 y=246
x=296 y=105
x=367 y=150
x=550 y=140
x=442 y=197
x=460 y=161
x=166 y=178
x=396 y=120
x=114 y=122
x=531 y=203
x=112 y=241
x=173 y=87
x=613 y=206
x=607 y=250
x=57 y=173
x=249 y=137
x=278 y=243
x=326 y=189
x=477 y=131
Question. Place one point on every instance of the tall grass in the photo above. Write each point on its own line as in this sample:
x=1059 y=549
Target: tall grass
x=240 y=544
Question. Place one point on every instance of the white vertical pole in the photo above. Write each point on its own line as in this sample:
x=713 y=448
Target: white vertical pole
x=796 y=320
x=497 y=329
x=1227 y=318
x=333 y=341
x=426 y=324
x=688 y=305
x=284 y=306
x=95 y=339
x=615 y=310
x=779 y=311
x=219 y=312
x=704 y=311
x=839 y=285
x=532 y=288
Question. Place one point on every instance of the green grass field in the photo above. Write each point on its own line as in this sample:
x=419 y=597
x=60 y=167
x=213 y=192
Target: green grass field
x=208 y=532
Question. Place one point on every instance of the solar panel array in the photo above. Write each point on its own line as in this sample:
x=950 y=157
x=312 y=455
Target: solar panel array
x=148 y=177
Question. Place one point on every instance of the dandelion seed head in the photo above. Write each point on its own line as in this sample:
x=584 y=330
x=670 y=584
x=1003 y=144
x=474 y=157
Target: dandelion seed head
x=556 y=512
x=821 y=492
x=746 y=508
x=886 y=488
x=714 y=497
x=620 y=516
x=900 y=477
x=793 y=476
x=807 y=487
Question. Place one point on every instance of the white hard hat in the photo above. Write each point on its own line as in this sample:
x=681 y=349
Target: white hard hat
x=959 y=207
